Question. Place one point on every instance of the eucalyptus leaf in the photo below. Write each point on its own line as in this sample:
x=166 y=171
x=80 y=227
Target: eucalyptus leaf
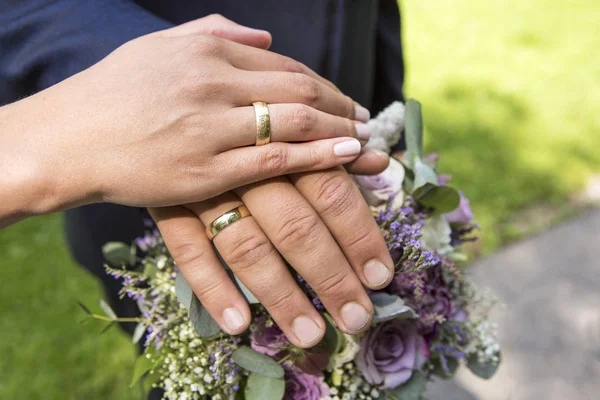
x=436 y=234
x=413 y=389
x=445 y=371
x=260 y=387
x=139 y=331
x=107 y=310
x=257 y=363
x=482 y=370
x=442 y=199
x=413 y=131
x=150 y=269
x=204 y=324
x=117 y=254
x=388 y=306
x=183 y=291
x=142 y=365
x=334 y=339
x=250 y=298
x=424 y=175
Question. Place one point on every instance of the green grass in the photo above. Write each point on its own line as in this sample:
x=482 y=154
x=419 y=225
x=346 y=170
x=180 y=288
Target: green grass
x=510 y=91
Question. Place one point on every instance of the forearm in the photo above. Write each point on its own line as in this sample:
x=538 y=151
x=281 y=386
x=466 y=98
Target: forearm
x=35 y=178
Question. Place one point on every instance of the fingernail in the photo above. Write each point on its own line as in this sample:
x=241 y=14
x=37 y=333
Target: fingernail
x=306 y=330
x=376 y=273
x=348 y=148
x=355 y=317
x=363 y=131
x=361 y=113
x=233 y=319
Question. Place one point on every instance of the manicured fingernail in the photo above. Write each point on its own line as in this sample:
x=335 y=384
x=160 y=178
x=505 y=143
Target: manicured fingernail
x=233 y=319
x=355 y=316
x=361 y=113
x=376 y=273
x=306 y=330
x=348 y=148
x=363 y=131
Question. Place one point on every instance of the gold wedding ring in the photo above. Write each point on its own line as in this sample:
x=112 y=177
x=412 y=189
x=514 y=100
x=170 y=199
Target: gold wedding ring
x=263 y=123
x=225 y=220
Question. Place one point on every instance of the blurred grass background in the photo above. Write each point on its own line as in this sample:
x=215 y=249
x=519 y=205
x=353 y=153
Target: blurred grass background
x=510 y=93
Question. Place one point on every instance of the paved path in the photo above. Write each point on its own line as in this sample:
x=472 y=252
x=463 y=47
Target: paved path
x=550 y=326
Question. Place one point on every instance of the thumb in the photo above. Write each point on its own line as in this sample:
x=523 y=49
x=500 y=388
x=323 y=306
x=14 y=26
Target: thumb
x=218 y=25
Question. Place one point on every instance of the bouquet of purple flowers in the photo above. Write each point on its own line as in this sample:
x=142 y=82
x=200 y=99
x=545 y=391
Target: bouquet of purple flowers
x=428 y=321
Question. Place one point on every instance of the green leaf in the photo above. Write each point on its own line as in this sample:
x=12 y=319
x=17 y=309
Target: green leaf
x=424 y=174
x=413 y=131
x=139 y=331
x=256 y=362
x=388 y=306
x=411 y=390
x=248 y=295
x=445 y=372
x=441 y=198
x=84 y=308
x=142 y=365
x=260 y=387
x=117 y=254
x=107 y=310
x=183 y=291
x=150 y=269
x=482 y=370
x=334 y=339
x=203 y=323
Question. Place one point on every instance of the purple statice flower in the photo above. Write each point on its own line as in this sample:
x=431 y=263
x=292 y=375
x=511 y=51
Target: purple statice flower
x=428 y=294
x=401 y=228
x=390 y=352
x=268 y=340
x=302 y=386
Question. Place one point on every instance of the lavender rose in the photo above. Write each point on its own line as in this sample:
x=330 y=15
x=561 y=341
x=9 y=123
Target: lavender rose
x=377 y=189
x=463 y=214
x=390 y=352
x=268 y=340
x=302 y=386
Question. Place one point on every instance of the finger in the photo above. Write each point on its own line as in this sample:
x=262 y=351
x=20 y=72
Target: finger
x=249 y=59
x=245 y=165
x=251 y=256
x=184 y=236
x=369 y=162
x=304 y=241
x=218 y=25
x=348 y=217
x=291 y=87
x=291 y=123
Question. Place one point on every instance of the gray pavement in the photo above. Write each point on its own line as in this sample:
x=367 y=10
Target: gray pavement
x=549 y=327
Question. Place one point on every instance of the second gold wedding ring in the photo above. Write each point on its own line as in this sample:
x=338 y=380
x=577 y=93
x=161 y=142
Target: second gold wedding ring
x=263 y=123
x=225 y=220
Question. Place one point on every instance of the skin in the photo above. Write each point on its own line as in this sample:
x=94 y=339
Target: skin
x=177 y=130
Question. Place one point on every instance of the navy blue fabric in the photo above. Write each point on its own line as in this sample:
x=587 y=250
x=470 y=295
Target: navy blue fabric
x=355 y=43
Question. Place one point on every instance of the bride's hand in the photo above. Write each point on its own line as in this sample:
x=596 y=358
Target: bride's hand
x=317 y=221
x=168 y=119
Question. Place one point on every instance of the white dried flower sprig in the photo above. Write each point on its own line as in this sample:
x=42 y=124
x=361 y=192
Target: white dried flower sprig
x=387 y=127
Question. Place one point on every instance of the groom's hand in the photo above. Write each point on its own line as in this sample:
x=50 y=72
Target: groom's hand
x=318 y=222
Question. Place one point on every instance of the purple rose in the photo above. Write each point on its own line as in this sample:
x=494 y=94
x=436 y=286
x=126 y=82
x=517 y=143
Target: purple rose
x=390 y=352
x=302 y=386
x=377 y=189
x=268 y=340
x=463 y=214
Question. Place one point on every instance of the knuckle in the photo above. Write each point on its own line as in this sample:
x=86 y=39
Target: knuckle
x=206 y=45
x=298 y=228
x=336 y=195
x=248 y=251
x=189 y=254
x=309 y=89
x=304 y=119
x=349 y=107
x=275 y=159
x=333 y=286
x=363 y=239
x=281 y=300
x=209 y=289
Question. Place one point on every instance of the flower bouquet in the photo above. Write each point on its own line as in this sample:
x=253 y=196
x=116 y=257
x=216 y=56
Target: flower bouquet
x=428 y=321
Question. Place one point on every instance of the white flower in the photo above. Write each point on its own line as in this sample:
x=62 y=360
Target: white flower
x=346 y=354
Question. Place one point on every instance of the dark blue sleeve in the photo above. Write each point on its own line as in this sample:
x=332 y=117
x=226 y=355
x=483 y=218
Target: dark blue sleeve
x=43 y=42
x=389 y=75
